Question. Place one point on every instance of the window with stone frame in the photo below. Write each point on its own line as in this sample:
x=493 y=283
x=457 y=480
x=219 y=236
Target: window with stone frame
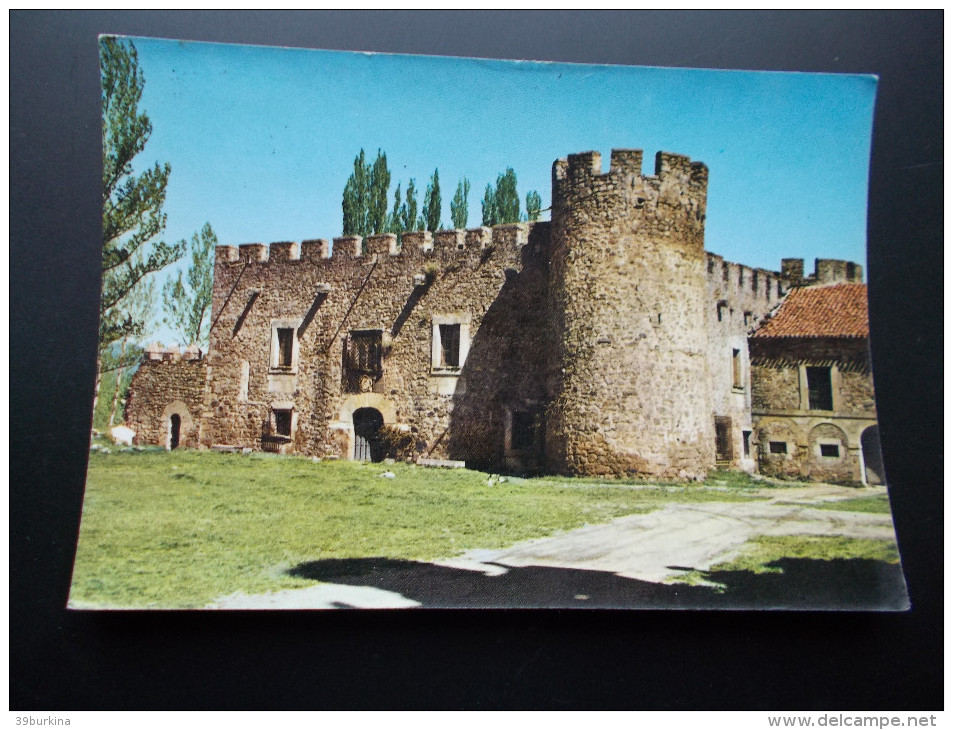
x=450 y=344
x=282 y=421
x=820 y=394
x=363 y=360
x=778 y=447
x=284 y=345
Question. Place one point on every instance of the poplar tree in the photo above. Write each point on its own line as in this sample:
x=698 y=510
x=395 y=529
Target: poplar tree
x=507 y=199
x=188 y=303
x=430 y=217
x=377 y=196
x=396 y=223
x=364 y=202
x=132 y=202
x=408 y=211
x=356 y=192
x=458 y=206
x=534 y=205
x=489 y=207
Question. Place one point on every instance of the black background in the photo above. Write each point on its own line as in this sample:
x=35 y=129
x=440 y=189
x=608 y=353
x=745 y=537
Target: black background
x=465 y=659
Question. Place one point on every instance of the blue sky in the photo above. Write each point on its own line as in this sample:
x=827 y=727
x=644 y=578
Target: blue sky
x=261 y=140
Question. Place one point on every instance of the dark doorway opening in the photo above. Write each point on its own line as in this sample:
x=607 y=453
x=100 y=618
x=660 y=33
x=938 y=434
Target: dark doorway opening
x=873 y=462
x=367 y=428
x=175 y=426
x=723 y=446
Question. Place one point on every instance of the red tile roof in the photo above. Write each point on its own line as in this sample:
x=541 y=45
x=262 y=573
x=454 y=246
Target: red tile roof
x=839 y=310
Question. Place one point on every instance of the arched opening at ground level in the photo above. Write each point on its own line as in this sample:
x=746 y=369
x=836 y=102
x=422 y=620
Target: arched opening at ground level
x=175 y=427
x=873 y=462
x=367 y=430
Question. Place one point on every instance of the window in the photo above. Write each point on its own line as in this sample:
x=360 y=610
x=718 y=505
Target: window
x=722 y=309
x=820 y=395
x=778 y=447
x=746 y=442
x=282 y=421
x=830 y=450
x=450 y=345
x=284 y=345
x=363 y=360
x=737 y=370
x=747 y=318
x=364 y=352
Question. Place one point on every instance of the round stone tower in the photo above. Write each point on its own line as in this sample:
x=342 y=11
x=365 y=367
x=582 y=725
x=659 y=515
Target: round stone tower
x=631 y=392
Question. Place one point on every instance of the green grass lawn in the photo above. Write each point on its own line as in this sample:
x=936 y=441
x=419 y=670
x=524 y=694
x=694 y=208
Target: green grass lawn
x=760 y=553
x=177 y=530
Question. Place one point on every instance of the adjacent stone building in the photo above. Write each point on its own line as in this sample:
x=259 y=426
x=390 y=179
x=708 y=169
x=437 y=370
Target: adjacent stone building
x=604 y=342
x=812 y=389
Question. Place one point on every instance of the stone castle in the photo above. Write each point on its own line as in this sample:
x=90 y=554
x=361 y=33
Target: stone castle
x=604 y=342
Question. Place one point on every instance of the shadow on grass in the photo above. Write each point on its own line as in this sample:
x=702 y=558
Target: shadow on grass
x=859 y=584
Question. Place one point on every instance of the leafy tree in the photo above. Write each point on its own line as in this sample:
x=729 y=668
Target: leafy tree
x=502 y=204
x=364 y=203
x=132 y=203
x=507 y=199
x=356 y=192
x=458 y=206
x=489 y=206
x=141 y=304
x=377 y=195
x=408 y=211
x=395 y=224
x=430 y=218
x=188 y=304
x=534 y=205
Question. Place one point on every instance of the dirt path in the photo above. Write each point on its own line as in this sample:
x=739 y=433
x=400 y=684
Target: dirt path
x=655 y=547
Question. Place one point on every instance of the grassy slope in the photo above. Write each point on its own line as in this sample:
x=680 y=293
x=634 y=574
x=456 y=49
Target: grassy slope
x=179 y=529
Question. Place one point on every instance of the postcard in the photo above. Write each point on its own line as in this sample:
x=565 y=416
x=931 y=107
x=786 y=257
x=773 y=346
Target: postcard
x=384 y=331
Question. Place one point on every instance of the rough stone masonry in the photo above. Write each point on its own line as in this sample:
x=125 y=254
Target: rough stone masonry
x=604 y=342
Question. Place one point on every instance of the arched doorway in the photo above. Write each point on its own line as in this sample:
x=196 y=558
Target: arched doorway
x=175 y=427
x=873 y=462
x=367 y=426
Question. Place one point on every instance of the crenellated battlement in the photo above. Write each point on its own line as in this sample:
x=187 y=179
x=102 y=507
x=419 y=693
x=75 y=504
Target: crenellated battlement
x=826 y=271
x=347 y=248
x=626 y=165
x=156 y=352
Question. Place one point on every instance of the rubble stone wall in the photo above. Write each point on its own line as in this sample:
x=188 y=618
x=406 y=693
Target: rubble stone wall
x=628 y=294
x=821 y=445
x=161 y=388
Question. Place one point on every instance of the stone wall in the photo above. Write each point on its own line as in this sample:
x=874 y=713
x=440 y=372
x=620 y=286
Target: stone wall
x=628 y=300
x=481 y=279
x=739 y=298
x=165 y=385
x=821 y=445
x=607 y=342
